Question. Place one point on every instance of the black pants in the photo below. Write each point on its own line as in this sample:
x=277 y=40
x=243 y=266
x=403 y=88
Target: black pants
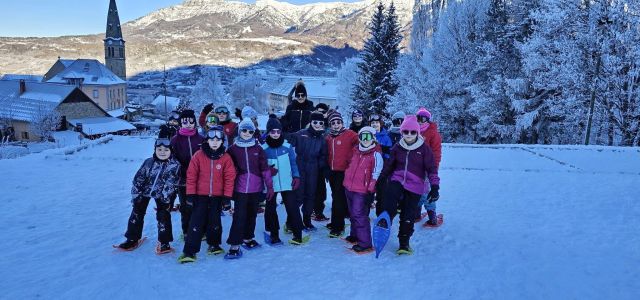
x=396 y=195
x=381 y=186
x=339 y=209
x=307 y=192
x=136 y=220
x=245 y=210
x=294 y=218
x=321 y=196
x=205 y=218
x=186 y=208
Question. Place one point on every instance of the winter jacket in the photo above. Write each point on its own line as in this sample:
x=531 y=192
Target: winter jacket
x=385 y=142
x=282 y=158
x=311 y=150
x=229 y=130
x=297 y=116
x=183 y=148
x=208 y=177
x=364 y=169
x=251 y=163
x=413 y=166
x=339 y=149
x=433 y=139
x=156 y=179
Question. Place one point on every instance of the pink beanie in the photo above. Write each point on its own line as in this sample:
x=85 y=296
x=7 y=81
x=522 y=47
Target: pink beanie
x=410 y=123
x=423 y=112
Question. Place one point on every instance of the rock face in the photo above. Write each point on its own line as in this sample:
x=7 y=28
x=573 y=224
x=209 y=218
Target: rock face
x=213 y=32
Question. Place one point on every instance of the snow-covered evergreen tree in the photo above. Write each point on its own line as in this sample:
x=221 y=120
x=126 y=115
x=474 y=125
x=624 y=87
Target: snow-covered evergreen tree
x=248 y=90
x=346 y=80
x=208 y=89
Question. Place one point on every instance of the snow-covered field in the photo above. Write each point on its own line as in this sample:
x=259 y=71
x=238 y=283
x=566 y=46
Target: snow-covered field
x=520 y=223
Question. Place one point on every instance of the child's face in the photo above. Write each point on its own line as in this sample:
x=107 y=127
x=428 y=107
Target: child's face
x=366 y=143
x=173 y=122
x=275 y=134
x=317 y=125
x=163 y=153
x=246 y=134
x=357 y=119
x=376 y=125
x=409 y=136
x=188 y=123
x=214 y=144
x=222 y=116
x=336 y=125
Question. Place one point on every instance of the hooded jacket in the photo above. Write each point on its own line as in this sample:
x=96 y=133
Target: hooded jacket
x=250 y=160
x=364 y=169
x=282 y=158
x=156 y=179
x=433 y=139
x=413 y=166
x=210 y=177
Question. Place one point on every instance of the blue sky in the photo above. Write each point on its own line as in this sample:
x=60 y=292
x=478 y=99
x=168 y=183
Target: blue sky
x=76 y=17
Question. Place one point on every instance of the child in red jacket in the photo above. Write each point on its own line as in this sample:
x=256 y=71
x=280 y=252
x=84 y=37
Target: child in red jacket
x=210 y=180
x=360 y=180
x=431 y=136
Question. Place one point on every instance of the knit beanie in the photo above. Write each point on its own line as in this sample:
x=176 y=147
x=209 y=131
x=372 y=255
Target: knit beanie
x=334 y=115
x=398 y=115
x=273 y=123
x=322 y=106
x=410 y=123
x=249 y=112
x=247 y=124
x=188 y=114
x=316 y=116
x=423 y=112
x=300 y=91
x=357 y=112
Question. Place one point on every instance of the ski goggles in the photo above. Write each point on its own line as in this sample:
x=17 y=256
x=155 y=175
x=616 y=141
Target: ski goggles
x=212 y=119
x=222 y=110
x=163 y=142
x=409 y=132
x=423 y=119
x=249 y=131
x=275 y=131
x=215 y=135
x=376 y=118
x=317 y=123
x=397 y=122
x=366 y=136
x=187 y=121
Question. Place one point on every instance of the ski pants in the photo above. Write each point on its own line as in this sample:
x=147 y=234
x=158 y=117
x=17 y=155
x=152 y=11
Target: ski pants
x=397 y=197
x=136 y=220
x=321 y=196
x=204 y=219
x=186 y=208
x=359 y=212
x=307 y=190
x=339 y=208
x=245 y=210
x=425 y=203
x=292 y=206
x=381 y=185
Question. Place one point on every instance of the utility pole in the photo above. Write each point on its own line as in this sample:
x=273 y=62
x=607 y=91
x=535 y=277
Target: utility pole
x=164 y=87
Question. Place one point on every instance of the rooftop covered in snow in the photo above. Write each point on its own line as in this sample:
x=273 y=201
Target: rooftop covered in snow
x=89 y=71
x=102 y=125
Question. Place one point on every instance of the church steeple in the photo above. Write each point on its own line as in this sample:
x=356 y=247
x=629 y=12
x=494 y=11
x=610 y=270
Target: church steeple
x=114 y=49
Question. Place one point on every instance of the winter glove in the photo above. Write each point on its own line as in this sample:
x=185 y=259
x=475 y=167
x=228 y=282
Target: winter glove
x=270 y=194
x=434 y=194
x=295 y=184
x=207 y=108
x=273 y=170
x=326 y=173
x=371 y=188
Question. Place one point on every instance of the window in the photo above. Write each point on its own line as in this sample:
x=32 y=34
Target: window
x=25 y=135
x=96 y=94
x=121 y=52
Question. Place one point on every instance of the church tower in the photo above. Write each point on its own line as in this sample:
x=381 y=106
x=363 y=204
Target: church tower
x=114 y=50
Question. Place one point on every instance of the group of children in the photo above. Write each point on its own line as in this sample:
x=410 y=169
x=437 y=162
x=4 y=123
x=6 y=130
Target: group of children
x=228 y=162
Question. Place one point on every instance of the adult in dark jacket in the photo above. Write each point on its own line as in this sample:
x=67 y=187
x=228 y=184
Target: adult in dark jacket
x=170 y=129
x=311 y=152
x=185 y=144
x=298 y=113
x=157 y=178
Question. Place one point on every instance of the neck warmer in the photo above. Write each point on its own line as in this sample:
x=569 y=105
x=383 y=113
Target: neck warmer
x=273 y=143
x=424 y=127
x=244 y=143
x=362 y=148
x=413 y=146
x=187 y=131
x=394 y=129
x=212 y=154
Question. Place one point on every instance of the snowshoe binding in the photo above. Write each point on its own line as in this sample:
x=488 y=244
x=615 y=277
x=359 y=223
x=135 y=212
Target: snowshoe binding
x=250 y=245
x=272 y=239
x=163 y=248
x=300 y=241
x=130 y=245
x=183 y=258
x=233 y=254
x=434 y=224
x=361 y=250
x=214 y=250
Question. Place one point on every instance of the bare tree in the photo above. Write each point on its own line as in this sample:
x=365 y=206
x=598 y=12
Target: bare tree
x=45 y=121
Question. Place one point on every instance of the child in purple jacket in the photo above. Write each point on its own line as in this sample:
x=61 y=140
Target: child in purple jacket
x=412 y=171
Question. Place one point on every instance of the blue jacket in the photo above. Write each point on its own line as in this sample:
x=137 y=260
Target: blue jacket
x=282 y=158
x=385 y=142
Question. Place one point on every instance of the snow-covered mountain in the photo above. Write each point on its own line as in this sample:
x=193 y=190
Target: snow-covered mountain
x=217 y=32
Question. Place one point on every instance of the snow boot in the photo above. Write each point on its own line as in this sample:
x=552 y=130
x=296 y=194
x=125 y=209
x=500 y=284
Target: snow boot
x=351 y=240
x=334 y=234
x=308 y=226
x=275 y=238
x=404 y=248
x=129 y=245
x=214 y=250
x=183 y=259
x=251 y=244
x=297 y=241
x=361 y=250
x=163 y=248
x=233 y=254
x=319 y=218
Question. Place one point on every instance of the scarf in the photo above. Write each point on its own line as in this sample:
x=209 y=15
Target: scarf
x=315 y=133
x=273 y=143
x=413 y=146
x=362 y=148
x=212 y=154
x=244 y=143
x=424 y=127
x=394 y=129
x=187 y=131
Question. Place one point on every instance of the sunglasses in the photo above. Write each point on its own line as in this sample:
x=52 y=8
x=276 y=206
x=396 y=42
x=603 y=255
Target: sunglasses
x=248 y=131
x=215 y=134
x=188 y=121
x=212 y=119
x=317 y=123
x=407 y=132
x=221 y=111
x=163 y=142
x=275 y=131
x=365 y=136
x=336 y=122
x=423 y=119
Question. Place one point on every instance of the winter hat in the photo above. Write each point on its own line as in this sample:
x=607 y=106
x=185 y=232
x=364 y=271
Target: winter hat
x=316 y=116
x=334 y=115
x=300 y=89
x=174 y=116
x=249 y=112
x=357 y=112
x=410 y=123
x=322 y=106
x=273 y=123
x=247 y=124
x=423 y=112
x=398 y=115
x=368 y=129
x=187 y=114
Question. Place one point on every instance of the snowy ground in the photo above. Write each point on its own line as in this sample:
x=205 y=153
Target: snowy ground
x=533 y=223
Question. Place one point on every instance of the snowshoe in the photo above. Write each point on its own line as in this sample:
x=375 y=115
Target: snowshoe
x=351 y=240
x=183 y=259
x=319 y=218
x=404 y=250
x=422 y=216
x=233 y=254
x=300 y=241
x=438 y=223
x=381 y=232
x=214 y=250
x=272 y=240
x=163 y=248
x=130 y=245
x=361 y=250
x=309 y=228
x=250 y=245
x=334 y=234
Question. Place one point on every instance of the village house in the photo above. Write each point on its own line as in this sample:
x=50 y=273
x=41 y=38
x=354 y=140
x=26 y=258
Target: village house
x=319 y=90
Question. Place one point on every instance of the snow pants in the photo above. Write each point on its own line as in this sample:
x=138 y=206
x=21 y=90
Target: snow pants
x=245 y=210
x=359 y=211
x=339 y=208
x=204 y=219
x=321 y=196
x=427 y=206
x=381 y=185
x=307 y=191
x=186 y=208
x=294 y=218
x=397 y=197
x=136 y=220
